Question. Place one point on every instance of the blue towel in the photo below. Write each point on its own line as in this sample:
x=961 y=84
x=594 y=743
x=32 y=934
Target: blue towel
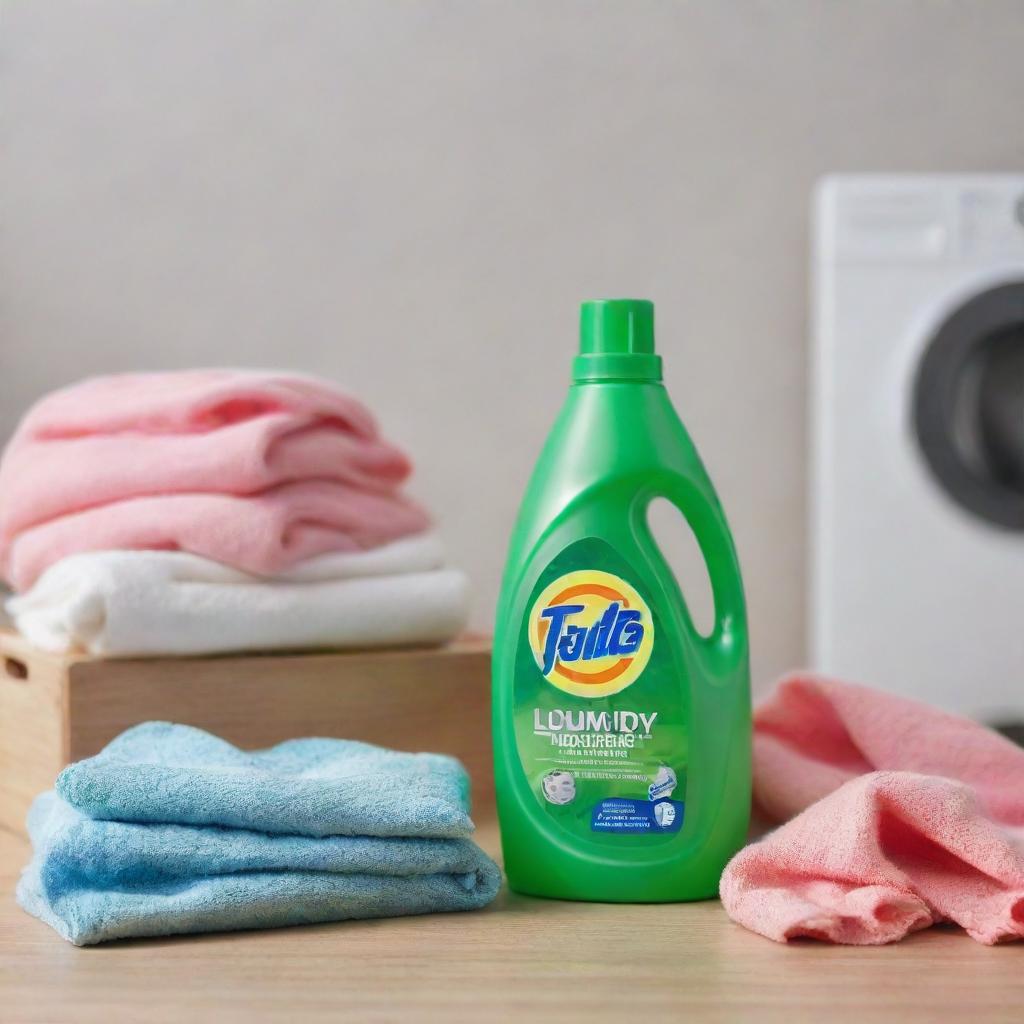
x=312 y=787
x=321 y=844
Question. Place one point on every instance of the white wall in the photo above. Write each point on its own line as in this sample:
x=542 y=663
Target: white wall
x=412 y=198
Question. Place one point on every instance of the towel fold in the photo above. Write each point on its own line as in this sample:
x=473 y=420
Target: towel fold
x=263 y=533
x=97 y=880
x=185 y=402
x=171 y=830
x=905 y=816
x=124 y=603
x=160 y=772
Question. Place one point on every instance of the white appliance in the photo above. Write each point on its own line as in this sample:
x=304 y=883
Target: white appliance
x=917 y=493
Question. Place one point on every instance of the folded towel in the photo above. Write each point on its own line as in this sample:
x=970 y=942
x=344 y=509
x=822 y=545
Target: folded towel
x=259 y=471
x=108 y=439
x=311 y=830
x=160 y=772
x=906 y=816
x=123 y=603
x=261 y=533
x=95 y=881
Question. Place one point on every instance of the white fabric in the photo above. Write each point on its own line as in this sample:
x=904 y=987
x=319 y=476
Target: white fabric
x=124 y=603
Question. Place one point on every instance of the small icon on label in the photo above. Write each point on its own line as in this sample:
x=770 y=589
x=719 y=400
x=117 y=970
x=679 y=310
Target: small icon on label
x=664 y=783
x=559 y=787
x=664 y=814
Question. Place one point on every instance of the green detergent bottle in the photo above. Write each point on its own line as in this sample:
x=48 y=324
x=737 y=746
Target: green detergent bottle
x=621 y=734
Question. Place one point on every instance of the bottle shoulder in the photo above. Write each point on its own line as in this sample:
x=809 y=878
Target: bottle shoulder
x=612 y=451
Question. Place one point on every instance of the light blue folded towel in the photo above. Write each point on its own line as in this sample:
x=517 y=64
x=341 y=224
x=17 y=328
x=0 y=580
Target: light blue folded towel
x=312 y=787
x=171 y=830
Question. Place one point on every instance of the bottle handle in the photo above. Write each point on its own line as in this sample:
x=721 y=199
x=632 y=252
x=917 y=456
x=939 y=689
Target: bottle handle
x=696 y=501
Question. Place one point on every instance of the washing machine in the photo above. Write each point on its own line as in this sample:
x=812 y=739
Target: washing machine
x=917 y=427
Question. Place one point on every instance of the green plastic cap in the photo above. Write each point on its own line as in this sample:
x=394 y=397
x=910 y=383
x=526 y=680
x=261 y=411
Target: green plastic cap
x=617 y=341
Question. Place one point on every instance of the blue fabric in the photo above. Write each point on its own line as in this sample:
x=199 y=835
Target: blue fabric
x=314 y=787
x=163 y=851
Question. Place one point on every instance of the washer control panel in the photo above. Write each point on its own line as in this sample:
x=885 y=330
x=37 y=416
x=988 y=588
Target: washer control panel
x=929 y=218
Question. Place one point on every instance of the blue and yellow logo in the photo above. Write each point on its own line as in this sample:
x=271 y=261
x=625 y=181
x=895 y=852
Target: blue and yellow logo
x=591 y=633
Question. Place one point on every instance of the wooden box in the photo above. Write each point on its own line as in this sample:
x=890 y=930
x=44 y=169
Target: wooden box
x=55 y=709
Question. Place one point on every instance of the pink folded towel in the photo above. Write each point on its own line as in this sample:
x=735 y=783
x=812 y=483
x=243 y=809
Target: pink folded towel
x=905 y=817
x=222 y=431
x=256 y=470
x=263 y=534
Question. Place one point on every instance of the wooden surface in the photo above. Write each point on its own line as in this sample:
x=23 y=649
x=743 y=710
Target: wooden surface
x=60 y=708
x=33 y=712
x=520 y=960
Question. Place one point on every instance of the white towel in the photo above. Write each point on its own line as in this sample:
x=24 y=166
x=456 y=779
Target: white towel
x=125 y=603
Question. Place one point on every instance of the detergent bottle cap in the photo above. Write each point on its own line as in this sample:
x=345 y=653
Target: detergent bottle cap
x=617 y=341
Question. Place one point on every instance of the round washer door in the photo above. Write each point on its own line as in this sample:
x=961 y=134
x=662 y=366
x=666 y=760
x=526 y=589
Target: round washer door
x=968 y=405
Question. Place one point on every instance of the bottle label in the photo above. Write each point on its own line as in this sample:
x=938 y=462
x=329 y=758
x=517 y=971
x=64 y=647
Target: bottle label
x=600 y=701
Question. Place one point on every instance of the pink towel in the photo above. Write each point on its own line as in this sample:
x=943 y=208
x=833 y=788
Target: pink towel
x=263 y=533
x=223 y=431
x=905 y=816
x=256 y=470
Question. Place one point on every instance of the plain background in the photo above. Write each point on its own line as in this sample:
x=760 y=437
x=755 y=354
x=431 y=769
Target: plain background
x=413 y=197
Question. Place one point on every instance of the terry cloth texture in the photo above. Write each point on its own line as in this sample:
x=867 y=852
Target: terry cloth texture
x=905 y=816
x=137 y=603
x=171 y=830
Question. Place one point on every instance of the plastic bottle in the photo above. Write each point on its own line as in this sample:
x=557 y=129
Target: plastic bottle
x=621 y=734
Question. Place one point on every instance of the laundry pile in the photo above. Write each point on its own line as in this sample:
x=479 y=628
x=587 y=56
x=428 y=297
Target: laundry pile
x=171 y=830
x=216 y=510
x=897 y=816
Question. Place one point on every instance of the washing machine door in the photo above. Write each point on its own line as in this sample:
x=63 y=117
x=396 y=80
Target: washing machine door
x=968 y=405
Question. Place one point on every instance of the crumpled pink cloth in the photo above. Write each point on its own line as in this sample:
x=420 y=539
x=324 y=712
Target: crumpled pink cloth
x=256 y=470
x=906 y=816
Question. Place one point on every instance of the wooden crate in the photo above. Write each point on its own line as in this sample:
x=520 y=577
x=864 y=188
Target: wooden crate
x=55 y=709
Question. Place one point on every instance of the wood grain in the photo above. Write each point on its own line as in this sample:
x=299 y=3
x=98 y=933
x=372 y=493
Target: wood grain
x=33 y=726
x=520 y=960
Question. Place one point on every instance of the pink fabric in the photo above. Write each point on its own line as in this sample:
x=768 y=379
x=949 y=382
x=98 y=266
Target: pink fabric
x=111 y=438
x=262 y=533
x=905 y=816
x=186 y=401
x=255 y=470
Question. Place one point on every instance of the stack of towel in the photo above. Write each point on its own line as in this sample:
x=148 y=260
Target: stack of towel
x=171 y=830
x=215 y=510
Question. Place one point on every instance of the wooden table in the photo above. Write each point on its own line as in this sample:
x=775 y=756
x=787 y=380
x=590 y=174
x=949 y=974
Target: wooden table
x=522 y=959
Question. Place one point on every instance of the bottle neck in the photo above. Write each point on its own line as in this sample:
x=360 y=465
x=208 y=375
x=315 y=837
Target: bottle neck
x=592 y=367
